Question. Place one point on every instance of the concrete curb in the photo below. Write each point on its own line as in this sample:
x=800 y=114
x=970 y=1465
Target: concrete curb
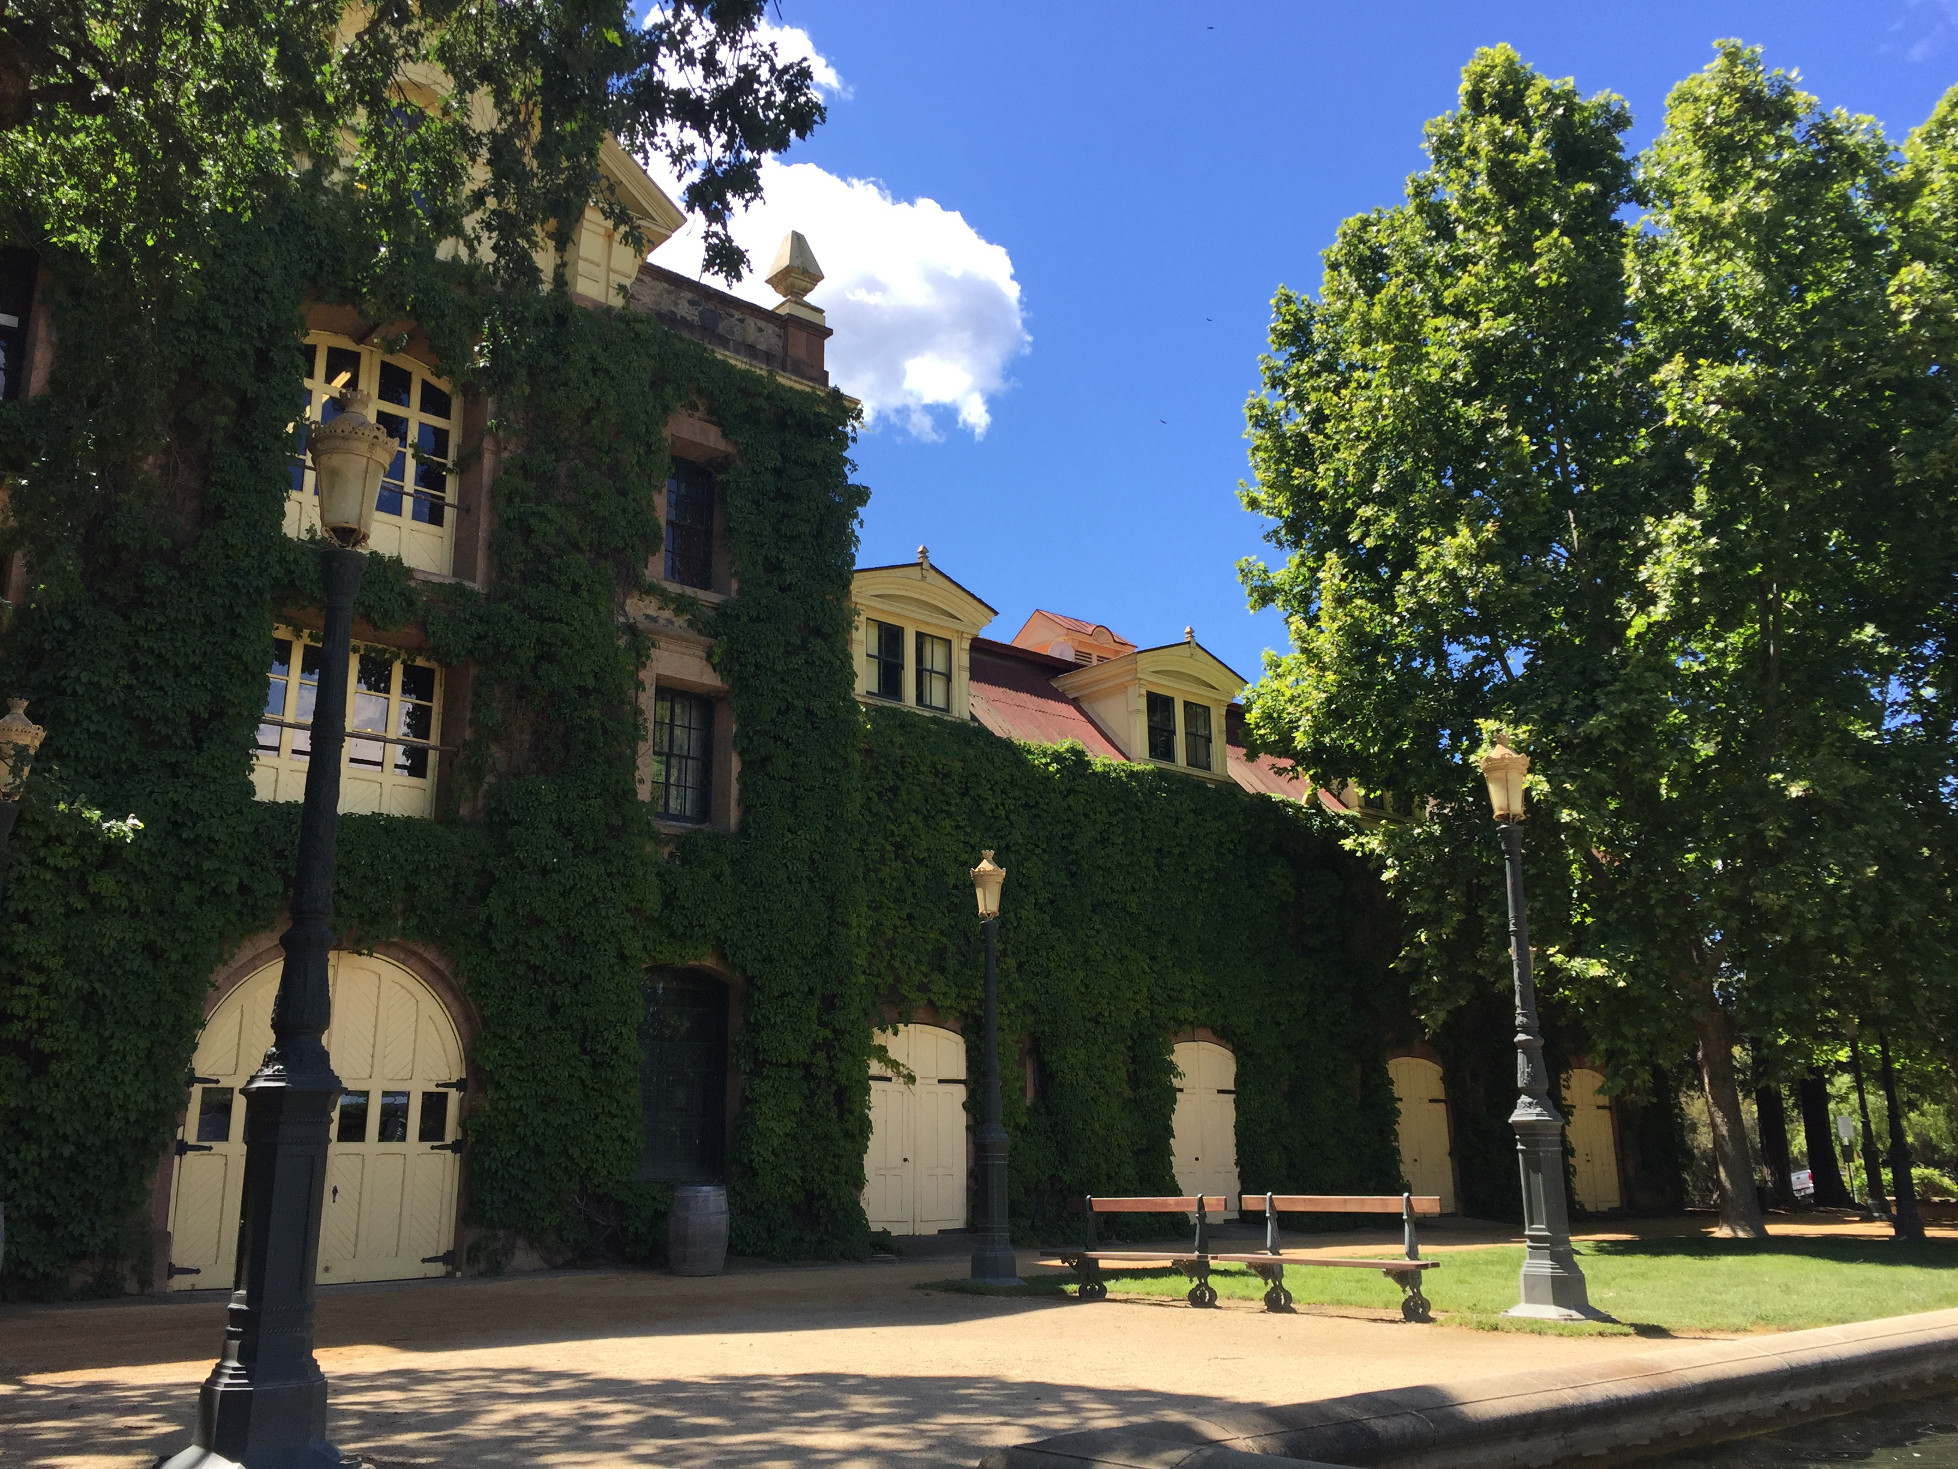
x=1561 y=1415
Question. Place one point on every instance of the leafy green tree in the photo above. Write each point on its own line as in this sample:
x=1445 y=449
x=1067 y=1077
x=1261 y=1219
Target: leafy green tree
x=1634 y=496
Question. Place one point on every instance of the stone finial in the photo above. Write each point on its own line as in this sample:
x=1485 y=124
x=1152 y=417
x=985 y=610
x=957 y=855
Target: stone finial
x=1189 y=635
x=794 y=275
x=924 y=556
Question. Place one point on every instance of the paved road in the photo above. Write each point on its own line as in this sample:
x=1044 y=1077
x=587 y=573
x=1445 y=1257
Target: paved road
x=825 y=1365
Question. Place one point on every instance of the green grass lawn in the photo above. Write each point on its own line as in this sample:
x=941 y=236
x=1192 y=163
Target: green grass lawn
x=1654 y=1287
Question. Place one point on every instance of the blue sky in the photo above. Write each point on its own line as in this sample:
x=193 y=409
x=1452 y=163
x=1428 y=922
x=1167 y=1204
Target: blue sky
x=1146 y=176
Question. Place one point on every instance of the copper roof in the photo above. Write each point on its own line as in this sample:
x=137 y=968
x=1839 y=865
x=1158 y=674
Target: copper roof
x=1013 y=696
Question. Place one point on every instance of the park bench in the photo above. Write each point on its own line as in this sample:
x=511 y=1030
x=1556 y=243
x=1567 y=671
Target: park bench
x=1267 y=1264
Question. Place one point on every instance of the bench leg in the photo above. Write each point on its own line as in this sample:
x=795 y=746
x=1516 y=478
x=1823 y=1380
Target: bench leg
x=1414 y=1305
x=1092 y=1287
x=1203 y=1293
x=1277 y=1298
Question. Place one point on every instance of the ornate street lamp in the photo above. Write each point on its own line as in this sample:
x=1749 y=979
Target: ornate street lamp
x=992 y=1256
x=1552 y=1285
x=264 y=1404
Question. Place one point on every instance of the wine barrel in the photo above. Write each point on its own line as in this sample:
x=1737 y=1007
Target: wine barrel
x=696 y=1230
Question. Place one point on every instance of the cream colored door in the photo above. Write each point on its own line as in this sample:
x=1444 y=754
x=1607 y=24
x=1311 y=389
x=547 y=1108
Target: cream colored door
x=391 y=1186
x=1205 y=1137
x=915 y=1171
x=1593 y=1141
x=1423 y=1128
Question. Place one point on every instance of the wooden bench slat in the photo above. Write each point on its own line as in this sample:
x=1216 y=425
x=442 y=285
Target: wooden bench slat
x=1339 y=1203
x=1385 y=1262
x=1177 y=1204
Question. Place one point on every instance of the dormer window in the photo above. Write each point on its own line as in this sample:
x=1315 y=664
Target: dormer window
x=1196 y=736
x=934 y=672
x=887 y=661
x=1162 y=728
x=690 y=527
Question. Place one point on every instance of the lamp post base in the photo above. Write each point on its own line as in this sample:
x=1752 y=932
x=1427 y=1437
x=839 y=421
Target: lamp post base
x=315 y=1455
x=1530 y=1312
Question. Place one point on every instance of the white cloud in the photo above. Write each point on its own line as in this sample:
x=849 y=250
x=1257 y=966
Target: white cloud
x=792 y=43
x=926 y=311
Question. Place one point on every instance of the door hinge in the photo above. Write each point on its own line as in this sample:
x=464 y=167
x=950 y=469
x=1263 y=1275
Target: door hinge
x=447 y=1257
x=203 y=1081
x=173 y=1270
x=185 y=1146
x=460 y=1084
x=454 y=1147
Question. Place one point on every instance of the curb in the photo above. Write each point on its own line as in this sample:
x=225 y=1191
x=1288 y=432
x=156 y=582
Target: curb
x=1556 y=1416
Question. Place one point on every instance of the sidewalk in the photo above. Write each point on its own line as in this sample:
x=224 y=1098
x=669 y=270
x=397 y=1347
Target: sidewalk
x=840 y=1365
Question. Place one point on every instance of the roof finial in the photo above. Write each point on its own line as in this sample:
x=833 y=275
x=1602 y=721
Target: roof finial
x=924 y=556
x=794 y=275
x=1189 y=635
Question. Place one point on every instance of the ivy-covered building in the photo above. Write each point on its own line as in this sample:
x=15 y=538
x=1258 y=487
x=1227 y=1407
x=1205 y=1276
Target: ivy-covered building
x=658 y=811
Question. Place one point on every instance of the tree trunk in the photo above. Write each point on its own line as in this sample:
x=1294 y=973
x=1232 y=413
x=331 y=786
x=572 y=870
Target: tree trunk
x=1902 y=1186
x=1879 y=1205
x=1740 y=1208
x=1773 y=1115
x=1830 y=1190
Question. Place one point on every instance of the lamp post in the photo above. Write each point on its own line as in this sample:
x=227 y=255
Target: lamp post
x=264 y=1404
x=1552 y=1285
x=992 y=1256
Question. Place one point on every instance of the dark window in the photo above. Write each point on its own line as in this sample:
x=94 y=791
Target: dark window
x=683 y=744
x=690 y=527
x=353 y=1118
x=373 y=679
x=275 y=694
x=682 y=1076
x=1162 y=727
x=416 y=720
x=435 y=1117
x=214 y=1115
x=1196 y=736
x=394 y=1118
x=309 y=691
x=17 y=271
x=934 y=671
x=886 y=660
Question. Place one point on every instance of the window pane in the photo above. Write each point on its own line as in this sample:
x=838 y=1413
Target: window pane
x=416 y=719
x=690 y=528
x=886 y=660
x=1162 y=727
x=389 y=502
x=934 y=672
x=214 y=1114
x=435 y=1118
x=275 y=693
x=435 y=402
x=1196 y=735
x=683 y=739
x=309 y=356
x=396 y=385
x=309 y=688
x=431 y=473
x=339 y=361
x=394 y=1118
x=353 y=1118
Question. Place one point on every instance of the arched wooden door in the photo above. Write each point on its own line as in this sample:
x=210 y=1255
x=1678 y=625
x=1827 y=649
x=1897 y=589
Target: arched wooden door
x=1593 y=1141
x=391 y=1181
x=1205 y=1140
x=1424 y=1145
x=915 y=1171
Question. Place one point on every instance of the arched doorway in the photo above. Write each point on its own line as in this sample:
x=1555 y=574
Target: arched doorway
x=391 y=1171
x=683 y=1076
x=915 y=1171
x=1425 y=1160
x=1593 y=1141
x=1205 y=1142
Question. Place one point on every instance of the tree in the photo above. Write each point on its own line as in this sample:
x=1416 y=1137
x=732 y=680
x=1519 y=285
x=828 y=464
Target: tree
x=1630 y=495
x=127 y=125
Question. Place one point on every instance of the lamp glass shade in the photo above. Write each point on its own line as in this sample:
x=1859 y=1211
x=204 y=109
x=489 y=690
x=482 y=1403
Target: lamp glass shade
x=1504 y=769
x=20 y=737
x=350 y=453
x=987 y=879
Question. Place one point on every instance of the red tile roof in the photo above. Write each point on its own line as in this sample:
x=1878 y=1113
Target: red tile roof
x=1013 y=696
x=1259 y=774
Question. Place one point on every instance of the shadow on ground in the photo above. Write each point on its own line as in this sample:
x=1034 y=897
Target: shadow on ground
x=483 y=1418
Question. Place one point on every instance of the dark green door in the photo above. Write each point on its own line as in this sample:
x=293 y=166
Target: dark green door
x=683 y=1078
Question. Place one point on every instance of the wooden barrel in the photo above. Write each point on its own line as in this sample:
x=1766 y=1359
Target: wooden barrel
x=696 y=1230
